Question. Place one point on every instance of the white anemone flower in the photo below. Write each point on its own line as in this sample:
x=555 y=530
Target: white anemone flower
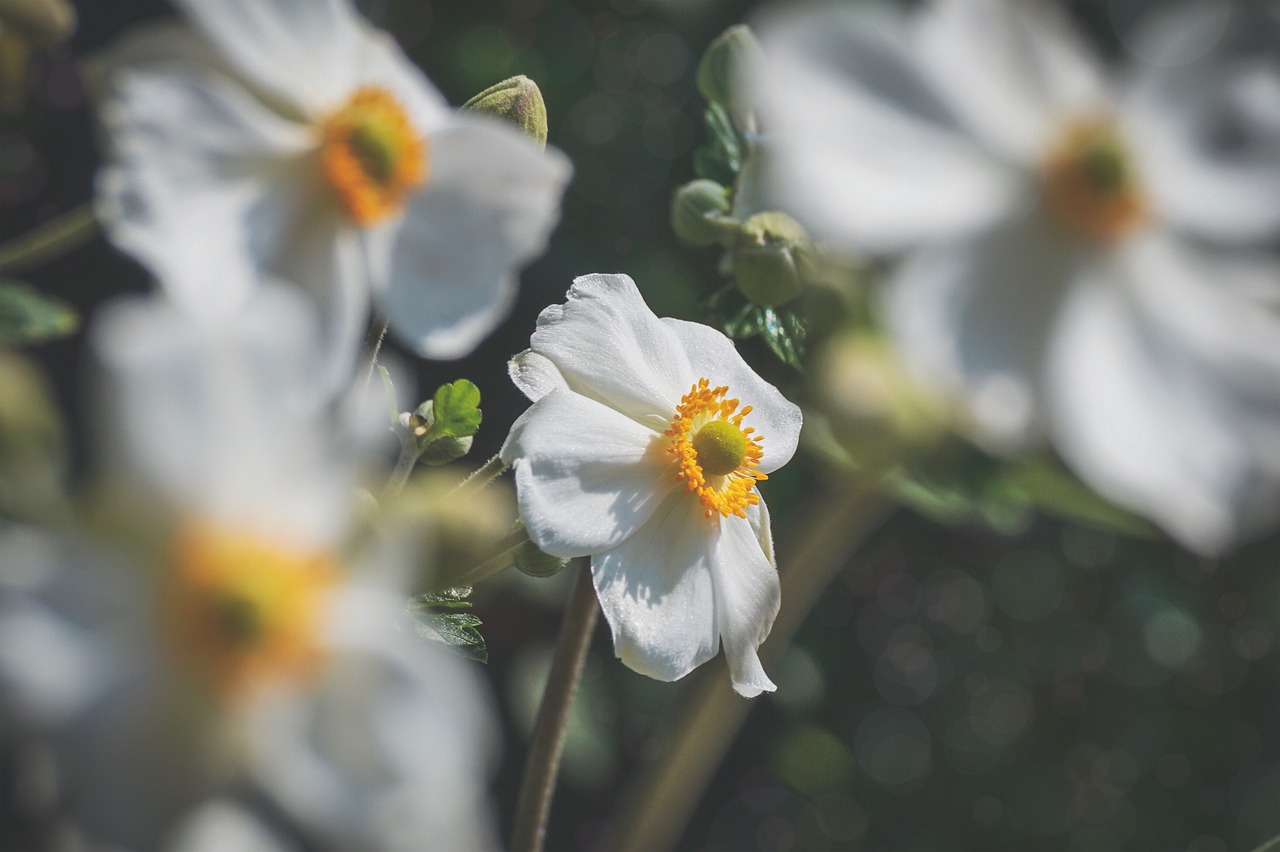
x=1081 y=262
x=243 y=649
x=291 y=138
x=642 y=449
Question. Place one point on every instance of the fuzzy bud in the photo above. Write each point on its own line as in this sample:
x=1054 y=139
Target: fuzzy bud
x=722 y=69
x=534 y=562
x=770 y=258
x=517 y=100
x=697 y=209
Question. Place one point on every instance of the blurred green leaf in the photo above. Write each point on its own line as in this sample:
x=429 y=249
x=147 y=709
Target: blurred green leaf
x=457 y=410
x=28 y=317
x=784 y=331
x=442 y=617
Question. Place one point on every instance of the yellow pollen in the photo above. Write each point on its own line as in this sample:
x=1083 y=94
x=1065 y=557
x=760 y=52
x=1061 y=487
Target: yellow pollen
x=242 y=612
x=371 y=155
x=1089 y=183
x=716 y=455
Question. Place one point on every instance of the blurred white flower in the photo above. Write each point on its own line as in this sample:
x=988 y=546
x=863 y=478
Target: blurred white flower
x=1085 y=263
x=246 y=647
x=290 y=137
x=642 y=449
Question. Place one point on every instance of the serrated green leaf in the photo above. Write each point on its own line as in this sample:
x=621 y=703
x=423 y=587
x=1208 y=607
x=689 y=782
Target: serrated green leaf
x=709 y=163
x=785 y=334
x=442 y=617
x=29 y=317
x=457 y=409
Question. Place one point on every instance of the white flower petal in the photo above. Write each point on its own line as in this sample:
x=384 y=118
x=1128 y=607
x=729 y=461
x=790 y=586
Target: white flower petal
x=714 y=357
x=201 y=180
x=658 y=592
x=535 y=375
x=1012 y=71
x=609 y=346
x=488 y=206
x=225 y=824
x=1165 y=392
x=382 y=63
x=970 y=318
x=220 y=418
x=1206 y=141
x=588 y=477
x=747 y=598
x=377 y=754
x=866 y=151
x=302 y=52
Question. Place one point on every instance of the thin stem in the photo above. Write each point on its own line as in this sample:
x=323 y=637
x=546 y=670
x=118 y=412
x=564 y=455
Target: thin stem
x=657 y=808
x=369 y=359
x=486 y=473
x=52 y=239
x=503 y=559
x=553 y=716
x=409 y=455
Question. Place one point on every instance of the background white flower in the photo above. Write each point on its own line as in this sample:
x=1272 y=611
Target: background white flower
x=292 y=138
x=241 y=645
x=1081 y=266
x=642 y=449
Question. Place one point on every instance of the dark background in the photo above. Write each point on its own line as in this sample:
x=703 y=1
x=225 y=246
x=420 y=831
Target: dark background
x=1062 y=688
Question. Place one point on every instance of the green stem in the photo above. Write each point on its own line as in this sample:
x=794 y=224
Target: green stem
x=409 y=455
x=657 y=808
x=547 y=747
x=487 y=472
x=52 y=239
x=503 y=559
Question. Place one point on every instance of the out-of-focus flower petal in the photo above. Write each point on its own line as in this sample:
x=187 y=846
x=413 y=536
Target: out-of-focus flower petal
x=1165 y=389
x=1010 y=71
x=866 y=151
x=489 y=204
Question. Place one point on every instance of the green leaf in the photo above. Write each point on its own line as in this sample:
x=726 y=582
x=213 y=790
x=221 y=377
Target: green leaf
x=709 y=163
x=442 y=617
x=784 y=331
x=457 y=409
x=28 y=317
x=724 y=139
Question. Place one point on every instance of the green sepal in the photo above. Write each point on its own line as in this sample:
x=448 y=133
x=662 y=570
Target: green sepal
x=29 y=317
x=442 y=617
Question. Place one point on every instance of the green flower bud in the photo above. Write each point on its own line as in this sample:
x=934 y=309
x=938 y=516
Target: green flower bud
x=445 y=449
x=38 y=22
x=517 y=100
x=770 y=258
x=722 y=68
x=534 y=562
x=696 y=211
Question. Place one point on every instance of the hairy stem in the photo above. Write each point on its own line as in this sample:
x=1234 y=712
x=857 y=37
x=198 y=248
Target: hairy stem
x=52 y=239
x=709 y=714
x=553 y=716
x=486 y=473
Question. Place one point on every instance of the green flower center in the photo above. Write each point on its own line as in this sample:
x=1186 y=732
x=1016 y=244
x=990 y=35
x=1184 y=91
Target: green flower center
x=720 y=447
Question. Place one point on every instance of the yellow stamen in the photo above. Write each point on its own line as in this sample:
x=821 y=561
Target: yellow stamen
x=371 y=155
x=242 y=612
x=1089 y=183
x=716 y=455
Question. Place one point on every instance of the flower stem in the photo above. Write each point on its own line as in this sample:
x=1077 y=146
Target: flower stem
x=409 y=455
x=503 y=558
x=657 y=808
x=369 y=359
x=553 y=716
x=486 y=473
x=52 y=239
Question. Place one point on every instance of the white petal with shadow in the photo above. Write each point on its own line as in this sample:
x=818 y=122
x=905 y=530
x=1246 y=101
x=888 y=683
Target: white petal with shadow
x=587 y=476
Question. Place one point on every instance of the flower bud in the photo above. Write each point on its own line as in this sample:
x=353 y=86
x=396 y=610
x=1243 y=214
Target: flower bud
x=38 y=22
x=695 y=208
x=770 y=257
x=517 y=100
x=534 y=562
x=722 y=69
x=445 y=449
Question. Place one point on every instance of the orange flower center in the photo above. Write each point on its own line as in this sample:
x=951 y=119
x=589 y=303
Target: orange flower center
x=241 y=612
x=371 y=155
x=1089 y=183
x=716 y=454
